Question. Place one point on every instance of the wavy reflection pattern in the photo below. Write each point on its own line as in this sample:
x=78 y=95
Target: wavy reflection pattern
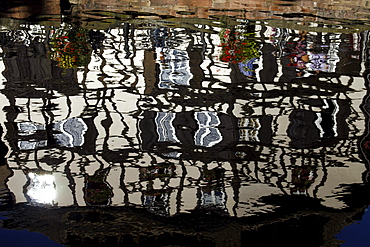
x=157 y=120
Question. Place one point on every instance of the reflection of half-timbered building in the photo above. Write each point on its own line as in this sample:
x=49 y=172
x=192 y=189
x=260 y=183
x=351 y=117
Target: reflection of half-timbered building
x=202 y=129
x=328 y=124
x=182 y=133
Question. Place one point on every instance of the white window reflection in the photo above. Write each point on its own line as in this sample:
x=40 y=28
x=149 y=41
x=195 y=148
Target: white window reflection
x=208 y=134
x=29 y=128
x=172 y=154
x=72 y=132
x=30 y=145
x=326 y=121
x=213 y=198
x=165 y=129
x=174 y=68
x=42 y=188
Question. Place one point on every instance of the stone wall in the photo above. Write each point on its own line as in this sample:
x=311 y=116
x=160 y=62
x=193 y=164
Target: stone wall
x=26 y=9
x=250 y=9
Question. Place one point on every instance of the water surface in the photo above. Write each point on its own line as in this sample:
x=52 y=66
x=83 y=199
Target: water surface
x=197 y=125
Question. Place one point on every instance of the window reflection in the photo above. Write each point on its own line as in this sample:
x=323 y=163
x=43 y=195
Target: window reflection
x=72 y=132
x=165 y=128
x=208 y=134
x=66 y=133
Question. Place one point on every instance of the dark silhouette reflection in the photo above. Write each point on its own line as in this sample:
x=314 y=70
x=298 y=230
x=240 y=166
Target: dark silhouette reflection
x=97 y=192
x=6 y=196
x=298 y=229
x=302 y=129
x=3 y=149
x=302 y=178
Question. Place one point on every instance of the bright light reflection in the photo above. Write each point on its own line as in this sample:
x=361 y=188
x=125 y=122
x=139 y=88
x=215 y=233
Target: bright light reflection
x=42 y=188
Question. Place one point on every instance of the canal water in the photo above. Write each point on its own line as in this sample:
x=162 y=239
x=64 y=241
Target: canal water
x=169 y=123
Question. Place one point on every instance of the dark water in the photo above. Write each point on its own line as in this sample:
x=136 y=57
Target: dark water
x=190 y=125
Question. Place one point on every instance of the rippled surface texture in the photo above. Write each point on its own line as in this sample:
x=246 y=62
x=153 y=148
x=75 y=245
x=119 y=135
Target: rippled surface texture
x=211 y=123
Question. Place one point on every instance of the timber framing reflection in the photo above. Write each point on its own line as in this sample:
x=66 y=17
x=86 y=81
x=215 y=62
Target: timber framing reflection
x=163 y=123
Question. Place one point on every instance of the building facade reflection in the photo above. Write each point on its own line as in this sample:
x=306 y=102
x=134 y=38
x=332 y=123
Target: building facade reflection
x=193 y=133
